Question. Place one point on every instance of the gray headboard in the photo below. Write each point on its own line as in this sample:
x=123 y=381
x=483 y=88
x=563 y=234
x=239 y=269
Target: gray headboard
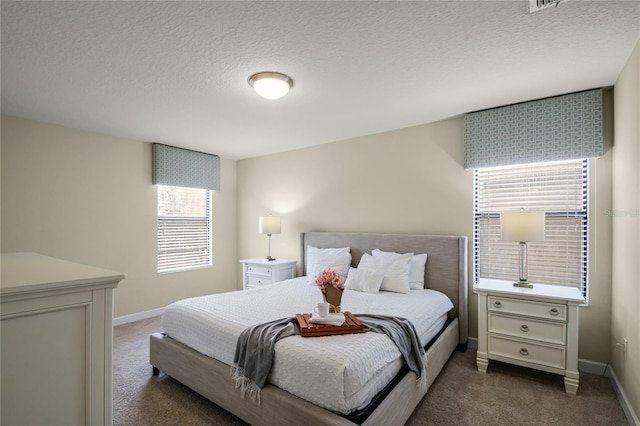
x=446 y=268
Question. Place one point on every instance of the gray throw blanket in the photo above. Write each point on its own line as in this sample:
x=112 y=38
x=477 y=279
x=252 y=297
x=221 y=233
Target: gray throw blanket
x=254 y=354
x=403 y=334
x=255 y=348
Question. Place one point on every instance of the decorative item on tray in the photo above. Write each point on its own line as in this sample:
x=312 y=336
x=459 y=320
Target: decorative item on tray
x=309 y=327
x=331 y=283
x=331 y=319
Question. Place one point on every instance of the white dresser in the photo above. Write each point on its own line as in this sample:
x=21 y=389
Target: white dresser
x=531 y=327
x=56 y=341
x=259 y=272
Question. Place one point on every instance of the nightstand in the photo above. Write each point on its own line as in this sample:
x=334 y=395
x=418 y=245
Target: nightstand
x=531 y=327
x=259 y=272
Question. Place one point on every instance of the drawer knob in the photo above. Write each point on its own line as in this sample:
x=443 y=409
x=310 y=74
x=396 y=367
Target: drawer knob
x=497 y=304
x=554 y=312
x=268 y=271
x=250 y=269
x=524 y=352
x=524 y=328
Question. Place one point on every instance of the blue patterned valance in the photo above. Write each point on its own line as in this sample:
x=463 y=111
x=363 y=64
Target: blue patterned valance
x=560 y=128
x=182 y=167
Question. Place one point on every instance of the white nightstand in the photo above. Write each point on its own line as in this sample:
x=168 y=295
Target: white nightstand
x=531 y=327
x=259 y=272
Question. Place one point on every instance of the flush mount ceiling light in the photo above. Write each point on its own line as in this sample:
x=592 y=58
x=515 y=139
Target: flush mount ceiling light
x=271 y=85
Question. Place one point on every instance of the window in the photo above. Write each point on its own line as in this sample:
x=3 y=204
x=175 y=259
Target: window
x=184 y=228
x=559 y=189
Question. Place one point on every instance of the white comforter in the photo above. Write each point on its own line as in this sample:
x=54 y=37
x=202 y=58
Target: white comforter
x=339 y=373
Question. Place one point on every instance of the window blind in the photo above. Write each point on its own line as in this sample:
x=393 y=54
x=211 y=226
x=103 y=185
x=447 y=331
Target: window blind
x=184 y=228
x=560 y=190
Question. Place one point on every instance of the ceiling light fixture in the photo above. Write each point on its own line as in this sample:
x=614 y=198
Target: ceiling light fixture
x=271 y=85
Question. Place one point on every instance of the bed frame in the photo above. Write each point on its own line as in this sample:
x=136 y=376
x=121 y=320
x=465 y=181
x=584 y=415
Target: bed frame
x=446 y=271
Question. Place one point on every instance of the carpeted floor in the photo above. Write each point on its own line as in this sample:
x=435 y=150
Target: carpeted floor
x=506 y=395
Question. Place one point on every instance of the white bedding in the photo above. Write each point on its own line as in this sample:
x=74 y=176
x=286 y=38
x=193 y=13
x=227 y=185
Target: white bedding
x=348 y=369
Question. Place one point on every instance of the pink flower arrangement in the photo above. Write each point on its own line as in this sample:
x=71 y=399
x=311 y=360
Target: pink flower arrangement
x=329 y=277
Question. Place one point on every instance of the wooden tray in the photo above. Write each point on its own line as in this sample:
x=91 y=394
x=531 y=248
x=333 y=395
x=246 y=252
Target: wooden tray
x=351 y=325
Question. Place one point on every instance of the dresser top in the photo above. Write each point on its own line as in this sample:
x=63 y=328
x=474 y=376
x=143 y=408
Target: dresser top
x=28 y=272
x=542 y=291
x=264 y=261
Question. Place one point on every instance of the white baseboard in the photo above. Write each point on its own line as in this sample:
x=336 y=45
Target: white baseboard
x=472 y=343
x=622 y=397
x=592 y=367
x=137 y=317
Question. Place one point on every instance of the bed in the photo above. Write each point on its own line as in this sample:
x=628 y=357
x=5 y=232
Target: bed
x=445 y=271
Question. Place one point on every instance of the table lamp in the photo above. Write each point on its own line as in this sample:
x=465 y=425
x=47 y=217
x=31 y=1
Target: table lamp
x=269 y=225
x=522 y=227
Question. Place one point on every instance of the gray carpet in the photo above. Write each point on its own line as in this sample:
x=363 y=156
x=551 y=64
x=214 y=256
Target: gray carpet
x=506 y=395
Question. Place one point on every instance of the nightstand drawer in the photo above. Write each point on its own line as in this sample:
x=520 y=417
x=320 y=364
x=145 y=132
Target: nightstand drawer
x=527 y=328
x=549 y=356
x=257 y=281
x=264 y=271
x=552 y=311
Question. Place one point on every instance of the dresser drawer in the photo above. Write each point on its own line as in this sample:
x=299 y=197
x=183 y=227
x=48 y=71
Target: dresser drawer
x=528 y=328
x=521 y=350
x=552 y=311
x=264 y=271
x=257 y=281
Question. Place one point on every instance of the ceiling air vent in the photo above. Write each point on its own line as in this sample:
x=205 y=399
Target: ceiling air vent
x=536 y=5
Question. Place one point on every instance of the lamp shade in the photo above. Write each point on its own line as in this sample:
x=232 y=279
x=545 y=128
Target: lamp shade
x=269 y=225
x=522 y=226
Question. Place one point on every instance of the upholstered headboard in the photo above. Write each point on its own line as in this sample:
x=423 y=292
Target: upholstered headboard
x=446 y=269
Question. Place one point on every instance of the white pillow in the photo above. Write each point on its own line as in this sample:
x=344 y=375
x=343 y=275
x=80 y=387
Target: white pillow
x=319 y=259
x=416 y=274
x=416 y=271
x=394 y=268
x=364 y=280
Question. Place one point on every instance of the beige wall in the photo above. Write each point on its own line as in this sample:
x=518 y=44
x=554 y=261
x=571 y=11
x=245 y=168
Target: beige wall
x=408 y=180
x=88 y=198
x=626 y=230
x=595 y=319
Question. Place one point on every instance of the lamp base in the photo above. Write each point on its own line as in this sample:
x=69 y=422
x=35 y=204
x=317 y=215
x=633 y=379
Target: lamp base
x=269 y=258
x=523 y=284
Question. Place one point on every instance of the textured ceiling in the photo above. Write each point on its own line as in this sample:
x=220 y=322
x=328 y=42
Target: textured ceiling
x=176 y=72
